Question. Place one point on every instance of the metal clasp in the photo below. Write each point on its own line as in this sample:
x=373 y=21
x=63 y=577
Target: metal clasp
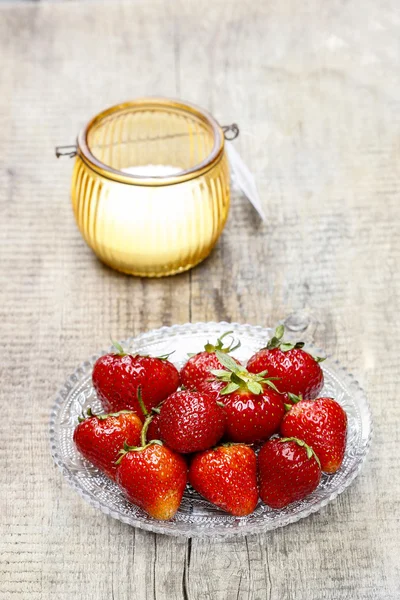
x=230 y=131
x=70 y=151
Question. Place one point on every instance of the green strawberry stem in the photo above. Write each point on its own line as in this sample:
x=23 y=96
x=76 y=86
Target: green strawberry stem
x=141 y=403
x=145 y=427
x=119 y=348
x=149 y=417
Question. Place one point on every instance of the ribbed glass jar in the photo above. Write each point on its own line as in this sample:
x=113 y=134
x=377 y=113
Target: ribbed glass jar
x=150 y=187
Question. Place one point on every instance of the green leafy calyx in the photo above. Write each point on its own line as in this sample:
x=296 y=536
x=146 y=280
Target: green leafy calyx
x=219 y=345
x=232 y=444
x=277 y=341
x=309 y=450
x=121 y=352
x=237 y=377
x=101 y=417
x=128 y=448
x=165 y=356
x=293 y=399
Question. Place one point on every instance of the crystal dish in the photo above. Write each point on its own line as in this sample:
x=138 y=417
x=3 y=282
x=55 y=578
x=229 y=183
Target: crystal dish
x=197 y=517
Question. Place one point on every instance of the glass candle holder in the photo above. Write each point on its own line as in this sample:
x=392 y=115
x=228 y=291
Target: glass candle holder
x=150 y=186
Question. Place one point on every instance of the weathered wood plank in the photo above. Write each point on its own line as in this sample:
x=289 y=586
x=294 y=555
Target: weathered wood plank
x=315 y=89
x=317 y=254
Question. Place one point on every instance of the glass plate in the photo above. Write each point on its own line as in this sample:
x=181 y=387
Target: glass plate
x=197 y=517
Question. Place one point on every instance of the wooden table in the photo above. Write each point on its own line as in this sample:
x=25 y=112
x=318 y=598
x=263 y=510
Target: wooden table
x=315 y=87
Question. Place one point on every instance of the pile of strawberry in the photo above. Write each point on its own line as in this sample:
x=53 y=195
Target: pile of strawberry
x=218 y=432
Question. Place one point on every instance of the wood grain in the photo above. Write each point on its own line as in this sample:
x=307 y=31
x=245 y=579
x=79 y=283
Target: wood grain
x=315 y=89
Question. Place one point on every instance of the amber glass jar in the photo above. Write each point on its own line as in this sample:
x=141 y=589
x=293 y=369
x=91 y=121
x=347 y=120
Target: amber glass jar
x=150 y=187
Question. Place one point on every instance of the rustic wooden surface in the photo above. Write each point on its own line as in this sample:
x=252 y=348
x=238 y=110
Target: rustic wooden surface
x=315 y=87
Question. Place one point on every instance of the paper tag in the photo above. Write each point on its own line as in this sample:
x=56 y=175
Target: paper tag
x=244 y=179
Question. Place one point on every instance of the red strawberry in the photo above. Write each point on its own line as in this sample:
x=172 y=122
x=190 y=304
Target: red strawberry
x=116 y=378
x=252 y=417
x=153 y=477
x=153 y=431
x=191 y=421
x=321 y=423
x=254 y=409
x=288 y=470
x=227 y=477
x=298 y=371
x=99 y=438
x=213 y=387
x=198 y=367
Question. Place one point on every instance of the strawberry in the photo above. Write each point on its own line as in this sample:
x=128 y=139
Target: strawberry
x=153 y=477
x=227 y=477
x=298 y=372
x=254 y=408
x=99 y=438
x=321 y=423
x=153 y=431
x=191 y=421
x=288 y=470
x=117 y=376
x=213 y=386
x=199 y=365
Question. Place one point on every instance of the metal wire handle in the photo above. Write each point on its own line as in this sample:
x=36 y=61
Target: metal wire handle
x=70 y=151
x=231 y=132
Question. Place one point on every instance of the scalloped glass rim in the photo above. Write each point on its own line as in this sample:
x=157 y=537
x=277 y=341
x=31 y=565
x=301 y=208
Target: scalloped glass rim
x=197 y=517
